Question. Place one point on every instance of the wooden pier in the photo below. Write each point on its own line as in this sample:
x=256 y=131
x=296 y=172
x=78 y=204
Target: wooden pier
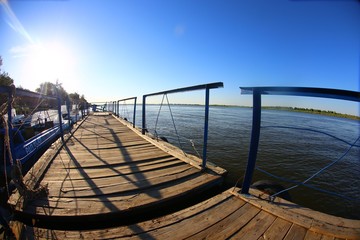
x=227 y=215
x=109 y=172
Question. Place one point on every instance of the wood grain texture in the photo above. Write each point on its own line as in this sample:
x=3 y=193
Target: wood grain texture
x=107 y=168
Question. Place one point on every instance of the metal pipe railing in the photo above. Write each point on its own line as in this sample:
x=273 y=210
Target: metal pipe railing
x=207 y=87
x=290 y=91
x=11 y=91
x=134 y=114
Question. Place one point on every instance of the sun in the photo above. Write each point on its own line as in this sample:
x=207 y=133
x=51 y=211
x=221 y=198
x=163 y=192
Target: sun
x=50 y=62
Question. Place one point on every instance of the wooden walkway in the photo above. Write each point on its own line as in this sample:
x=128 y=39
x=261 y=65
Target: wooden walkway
x=227 y=215
x=108 y=170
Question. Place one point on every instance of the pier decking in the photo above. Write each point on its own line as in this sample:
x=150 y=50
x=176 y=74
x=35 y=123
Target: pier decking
x=108 y=170
x=227 y=215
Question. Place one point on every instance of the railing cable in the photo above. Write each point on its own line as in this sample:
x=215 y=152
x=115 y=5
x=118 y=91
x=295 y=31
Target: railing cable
x=157 y=118
x=172 y=117
x=306 y=185
x=312 y=130
x=272 y=197
x=193 y=145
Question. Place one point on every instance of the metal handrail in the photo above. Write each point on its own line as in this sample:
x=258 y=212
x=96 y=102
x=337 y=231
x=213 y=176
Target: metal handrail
x=289 y=91
x=26 y=93
x=207 y=88
x=117 y=112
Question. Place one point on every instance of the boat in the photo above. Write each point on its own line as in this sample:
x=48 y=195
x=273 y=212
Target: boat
x=31 y=135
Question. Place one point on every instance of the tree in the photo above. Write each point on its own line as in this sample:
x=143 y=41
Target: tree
x=49 y=89
x=74 y=97
x=5 y=80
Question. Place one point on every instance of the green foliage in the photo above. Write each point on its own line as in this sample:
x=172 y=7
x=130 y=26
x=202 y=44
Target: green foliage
x=5 y=80
x=315 y=111
x=24 y=105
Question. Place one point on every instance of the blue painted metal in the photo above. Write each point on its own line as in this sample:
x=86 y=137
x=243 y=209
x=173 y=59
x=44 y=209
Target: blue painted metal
x=60 y=115
x=68 y=107
x=290 y=91
x=186 y=89
x=255 y=136
x=117 y=109
x=306 y=92
x=143 y=128
x=206 y=127
x=10 y=131
x=24 y=150
x=207 y=87
x=134 y=114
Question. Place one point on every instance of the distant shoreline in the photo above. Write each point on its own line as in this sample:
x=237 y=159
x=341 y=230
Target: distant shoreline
x=290 y=109
x=304 y=110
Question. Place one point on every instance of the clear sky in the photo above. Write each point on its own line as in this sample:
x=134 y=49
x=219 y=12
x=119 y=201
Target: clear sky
x=113 y=49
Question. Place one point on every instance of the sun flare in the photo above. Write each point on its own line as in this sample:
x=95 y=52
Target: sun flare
x=50 y=62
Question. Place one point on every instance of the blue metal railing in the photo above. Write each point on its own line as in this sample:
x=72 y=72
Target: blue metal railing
x=117 y=111
x=256 y=122
x=207 y=88
x=11 y=92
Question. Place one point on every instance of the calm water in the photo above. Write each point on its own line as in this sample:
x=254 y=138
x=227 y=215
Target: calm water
x=291 y=153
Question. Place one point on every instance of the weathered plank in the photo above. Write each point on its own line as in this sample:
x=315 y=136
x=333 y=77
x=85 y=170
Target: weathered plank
x=278 y=229
x=108 y=168
x=226 y=215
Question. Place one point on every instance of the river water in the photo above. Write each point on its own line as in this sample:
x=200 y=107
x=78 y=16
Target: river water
x=293 y=145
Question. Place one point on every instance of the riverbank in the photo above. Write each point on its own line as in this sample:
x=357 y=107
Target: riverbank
x=314 y=111
x=296 y=109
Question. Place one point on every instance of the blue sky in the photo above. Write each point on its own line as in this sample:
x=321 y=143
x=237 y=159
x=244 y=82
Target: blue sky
x=113 y=49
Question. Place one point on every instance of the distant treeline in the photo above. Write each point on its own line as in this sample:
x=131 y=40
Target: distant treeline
x=315 y=111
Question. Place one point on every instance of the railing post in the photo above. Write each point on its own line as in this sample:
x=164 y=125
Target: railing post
x=134 y=114
x=67 y=102
x=255 y=135
x=60 y=115
x=206 y=127
x=143 y=115
x=118 y=109
x=10 y=130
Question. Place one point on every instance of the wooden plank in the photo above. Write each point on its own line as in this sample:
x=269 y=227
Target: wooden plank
x=277 y=230
x=226 y=227
x=142 y=227
x=310 y=235
x=112 y=170
x=256 y=227
x=124 y=185
x=92 y=161
x=110 y=151
x=118 y=203
x=186 y=228
x=327 y=237
x=307 y=218
x=296 y=232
